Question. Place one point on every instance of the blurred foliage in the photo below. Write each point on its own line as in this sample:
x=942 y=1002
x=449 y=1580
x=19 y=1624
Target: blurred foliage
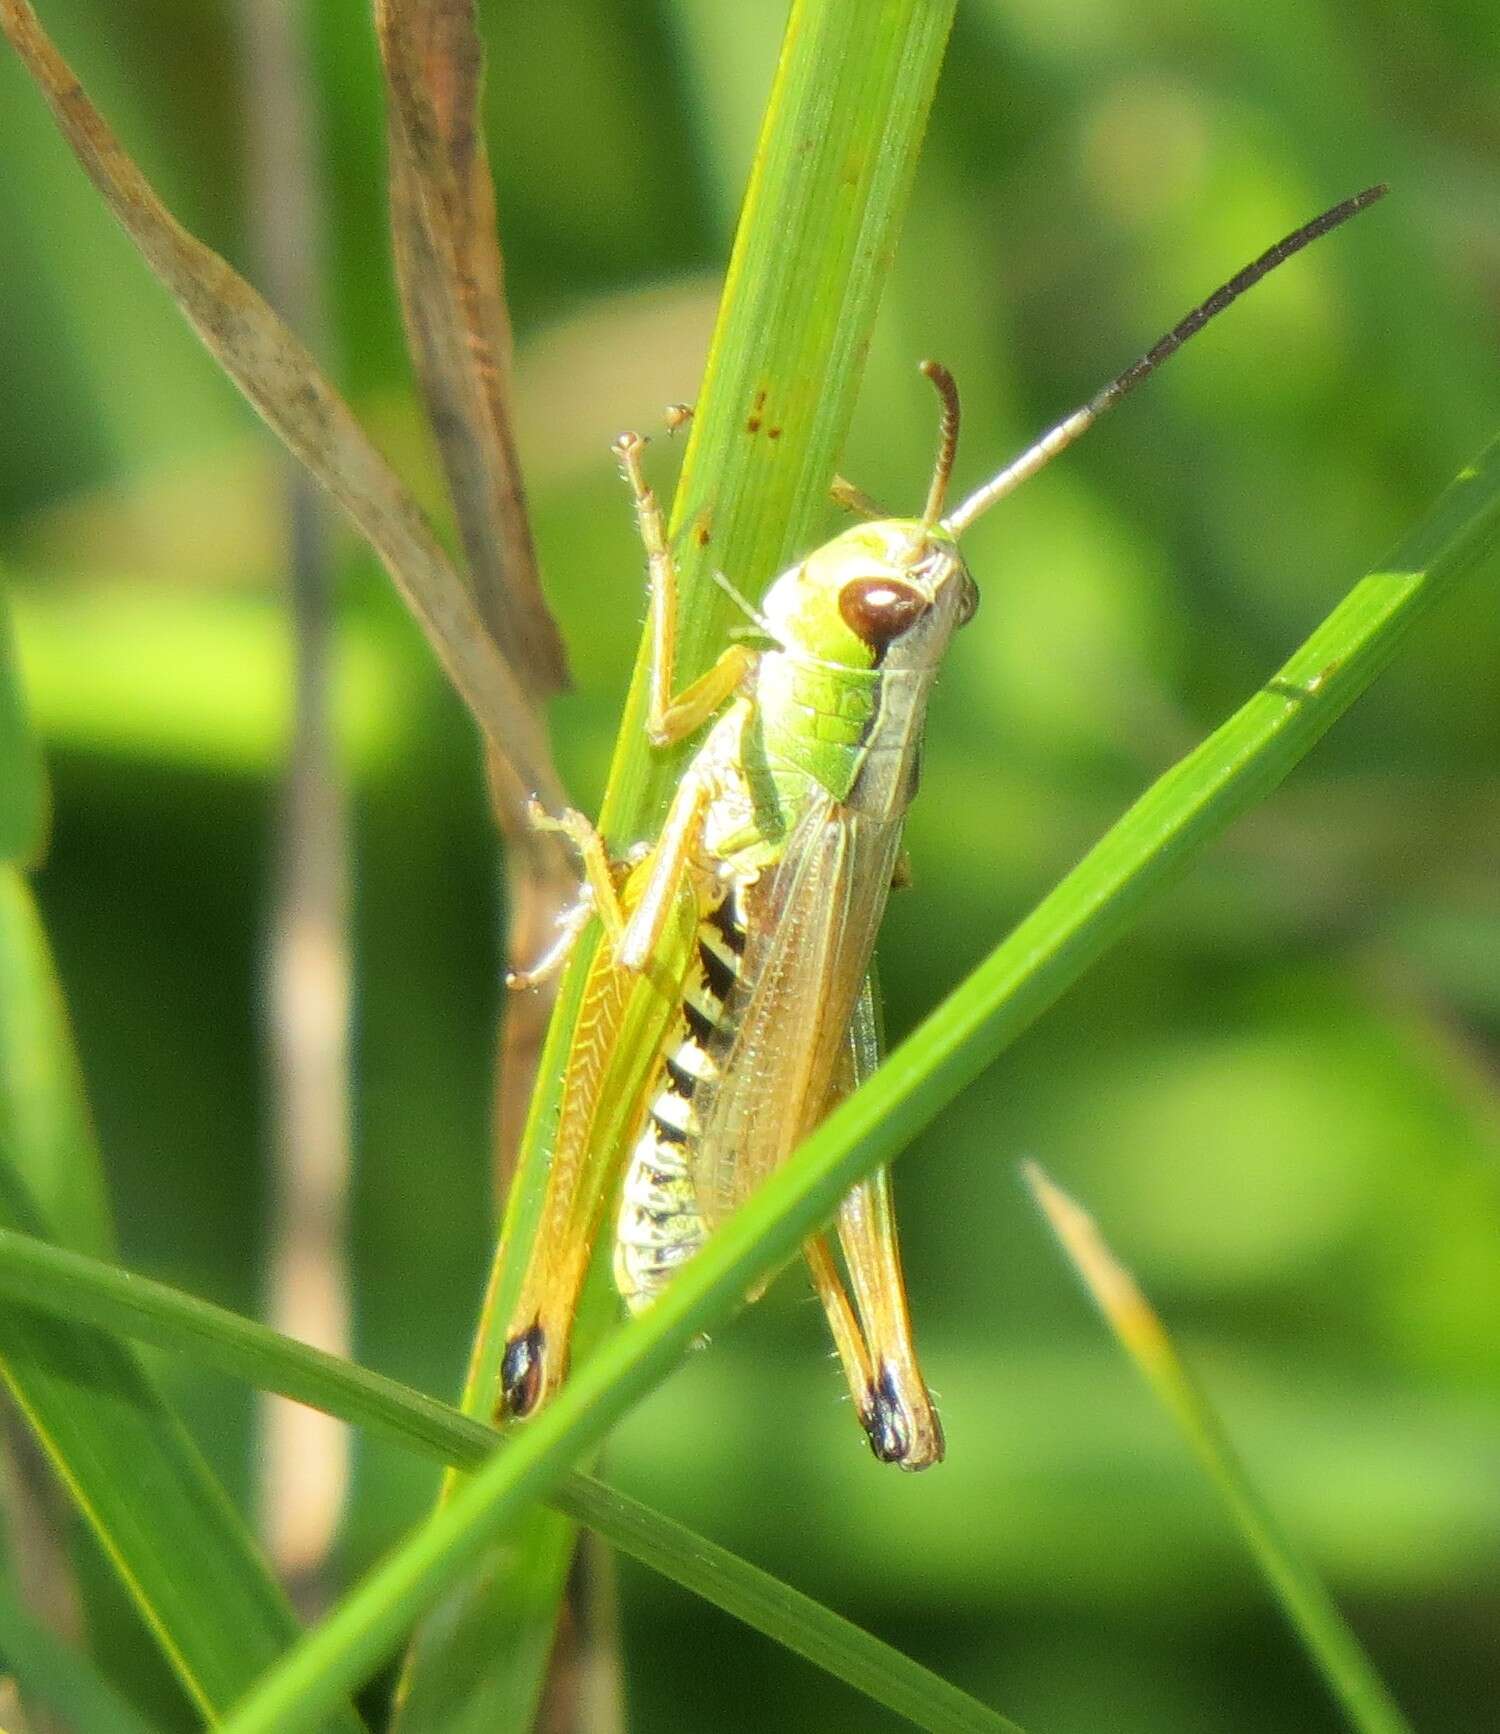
x=1280 y=1097
x=23 y=788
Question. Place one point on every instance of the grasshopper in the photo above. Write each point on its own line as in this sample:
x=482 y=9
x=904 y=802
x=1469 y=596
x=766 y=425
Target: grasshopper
x=729 y=1004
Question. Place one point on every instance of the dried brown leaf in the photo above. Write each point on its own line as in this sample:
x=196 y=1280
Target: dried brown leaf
x=449 y=268
x=285 y=386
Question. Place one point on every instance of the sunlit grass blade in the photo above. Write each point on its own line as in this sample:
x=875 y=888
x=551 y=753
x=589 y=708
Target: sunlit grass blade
x=162 y=1520
x=1335 y=1650
x=822 y=216
x=51 y=1674
x=283 y=383
x=1193 y=803
x=448 y=266
x=23 y=785
x=70 y=1286
x=835 y=161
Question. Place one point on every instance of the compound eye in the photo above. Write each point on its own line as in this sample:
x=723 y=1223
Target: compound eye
x=879 y=610
x=968 y=602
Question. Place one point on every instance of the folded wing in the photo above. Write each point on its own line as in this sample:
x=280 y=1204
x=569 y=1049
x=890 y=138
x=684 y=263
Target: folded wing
x=784 y=1030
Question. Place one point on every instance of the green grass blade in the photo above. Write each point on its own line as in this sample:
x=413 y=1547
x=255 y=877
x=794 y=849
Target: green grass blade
x=1182 y=812
x=37 y=1275
x=828 y=192
x=163 y=1521
x=50 y=1673
x=775 y=1608
x=23 y=783
x=67 y=1285
x=44 y=1118
x=160 y=1517
x=1324 y=1632
x=837 y=153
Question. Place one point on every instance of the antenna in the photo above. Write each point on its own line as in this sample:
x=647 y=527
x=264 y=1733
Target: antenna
x=947 y=390
x=1057 y=439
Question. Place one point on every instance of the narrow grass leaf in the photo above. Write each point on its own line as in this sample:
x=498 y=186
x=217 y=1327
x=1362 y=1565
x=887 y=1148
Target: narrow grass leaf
x=283 y=383
x=85 y=1291
x=163 y=1521
x=151 y=1502
x=794 y=1620
x=1182 y=812
x=1324 y=1632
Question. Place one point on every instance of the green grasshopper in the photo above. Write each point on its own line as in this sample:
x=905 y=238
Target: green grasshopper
x=729 y=1004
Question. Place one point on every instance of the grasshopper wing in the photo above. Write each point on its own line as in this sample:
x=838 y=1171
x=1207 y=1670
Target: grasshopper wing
x=784 y=1031
x=876 y=1348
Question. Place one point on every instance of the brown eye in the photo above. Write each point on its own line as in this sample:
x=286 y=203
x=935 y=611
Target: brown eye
x=878 y=610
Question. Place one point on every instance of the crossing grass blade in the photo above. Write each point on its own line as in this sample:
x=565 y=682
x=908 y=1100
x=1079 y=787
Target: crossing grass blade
x=1314 y=1616
x=163 y=1521
x=834 y=165
x=1188 y=807
x=84 y=1291
x=127 y=1464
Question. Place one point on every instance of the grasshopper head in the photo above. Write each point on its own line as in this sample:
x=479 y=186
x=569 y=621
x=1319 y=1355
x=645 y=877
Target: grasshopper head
x=887 y=595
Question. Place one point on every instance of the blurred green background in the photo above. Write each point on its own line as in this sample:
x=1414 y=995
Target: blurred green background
x=1280 y=1097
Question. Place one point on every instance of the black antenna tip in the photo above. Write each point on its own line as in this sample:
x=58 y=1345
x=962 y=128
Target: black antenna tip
x=1341 y=212
x=1066 y=431
x=1231 y=291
